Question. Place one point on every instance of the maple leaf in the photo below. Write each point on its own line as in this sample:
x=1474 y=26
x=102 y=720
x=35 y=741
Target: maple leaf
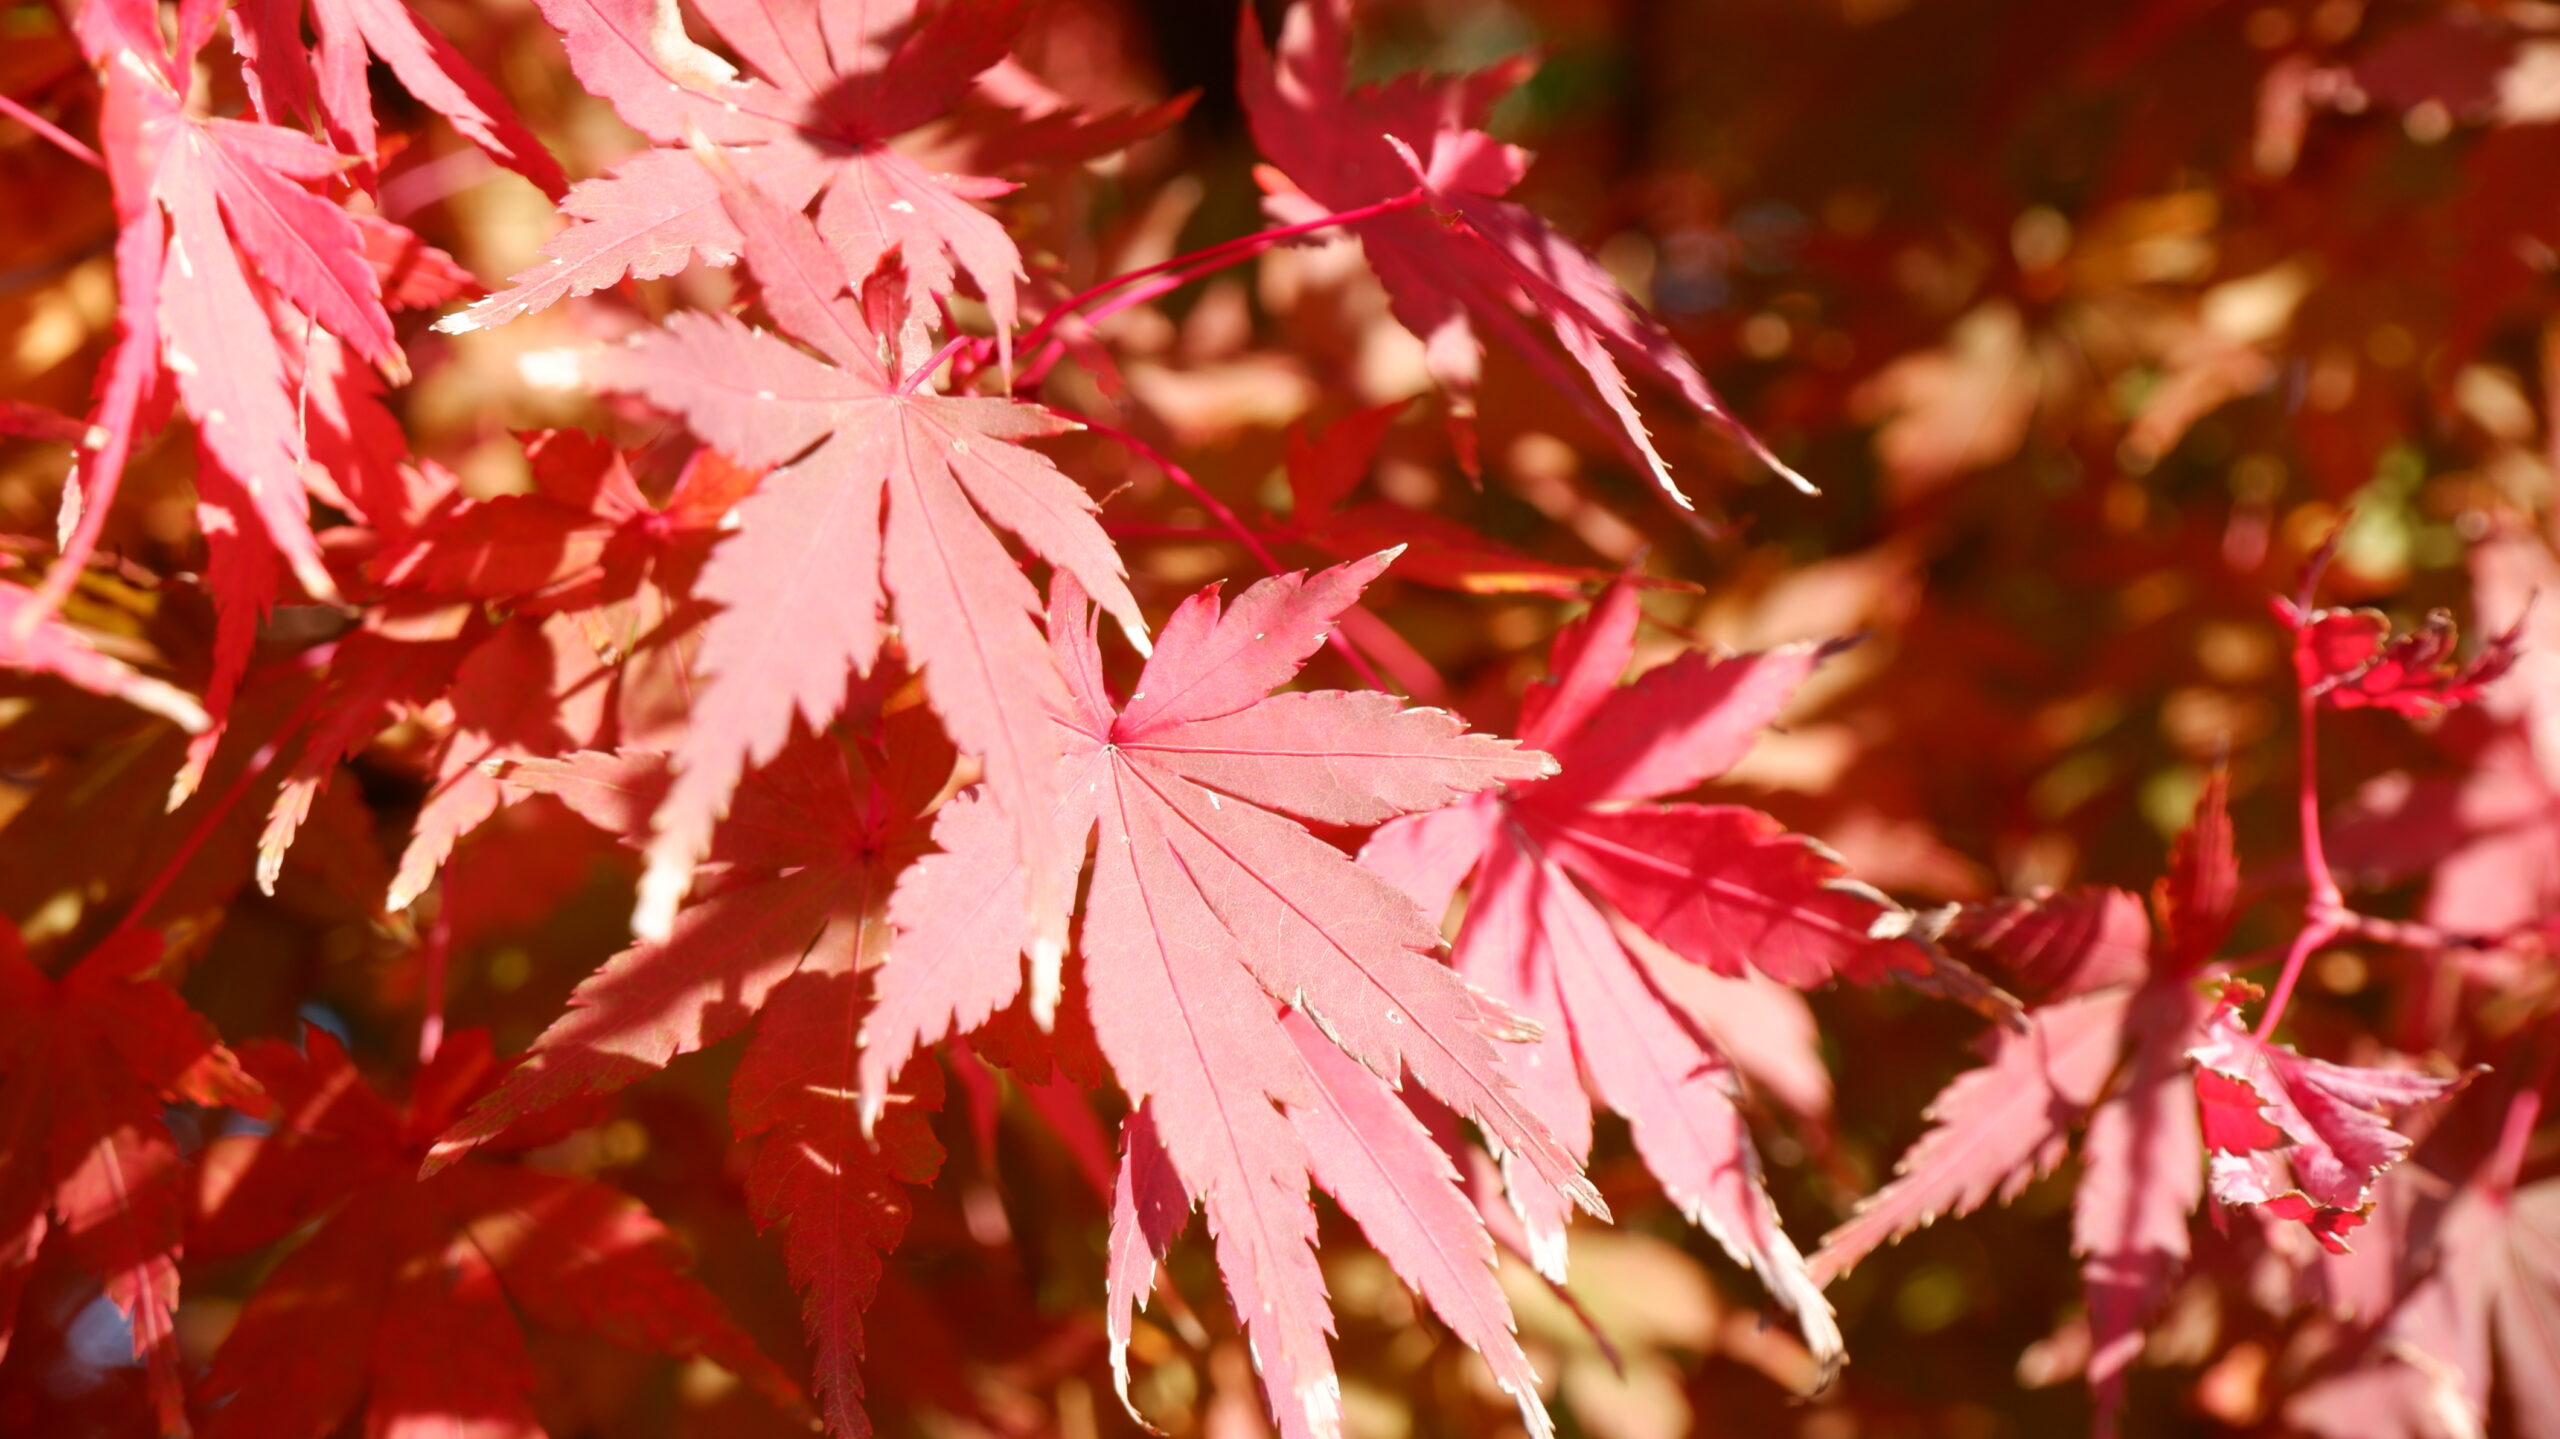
x=407 y=1296
x=600 y=577
x=1386 y=1169
x=1995 y=1129
x=2108 y=1050
x=802 y=581
x=803 y=865
x=2349 y=659
x=1209 y=904
x=292 y=83
x=2304 y=1139
x=375 y=675
x=227 y=191
x=1014 y=120
x=1459 y=257
x=220 y=246
x=585 y=536
x=1559 y=865
x=835 y=1189
x=2474 y=1285
x=88 y=1059
x=840 y=82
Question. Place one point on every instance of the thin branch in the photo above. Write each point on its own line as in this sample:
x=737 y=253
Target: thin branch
x=1235 y=526
x=62 y=139
x=1206 y=261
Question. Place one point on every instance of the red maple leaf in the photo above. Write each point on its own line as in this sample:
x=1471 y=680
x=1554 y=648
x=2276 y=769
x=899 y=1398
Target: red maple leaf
x=292 y=83
x=2473 y=1286
x=2349 y=659
x=1580 y=880
x=244 y=293
x=1458 y=257
x=1209 y=906
x=2303 y=1139
x=600 y=579
x=88 y=1059
x=889 y=496
x=2128 y=1045
x=793 y=914
x=585 y=537
x=840 y=82
x=408 y=1295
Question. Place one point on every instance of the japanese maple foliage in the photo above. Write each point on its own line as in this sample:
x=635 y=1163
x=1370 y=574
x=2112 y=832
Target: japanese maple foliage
x=574 y=858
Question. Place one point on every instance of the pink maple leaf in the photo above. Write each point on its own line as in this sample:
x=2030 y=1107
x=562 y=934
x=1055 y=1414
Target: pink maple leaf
x=293 y=83
x=1210 y=906
x=889 y=496
x=2304 y=1139
x=838 y=83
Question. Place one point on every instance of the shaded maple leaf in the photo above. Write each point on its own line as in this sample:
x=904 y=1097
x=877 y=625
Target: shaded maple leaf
x=805 y=862
x=533 y=690
x=1210 y=904
x=839 y=82
x=1458 y=258
x=1559 y=865
x=887 y=498
x=835 y=1188
x=586 y=536
x=88 y=1059
x=600 y=577
x=408 y=1296
x=801 y=869
x=327 y=80
x=2474 y=1294
x=1013 y=120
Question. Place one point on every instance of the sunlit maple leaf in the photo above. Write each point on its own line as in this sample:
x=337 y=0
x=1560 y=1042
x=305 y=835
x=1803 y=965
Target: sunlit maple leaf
x=219 y=240
x=1209 y=905
x=888 y=496
x=1559 y=866
x=406 y=1299
x=328 y=80
x=88 y=1060
x=839 y=83
x=2303 y=1139
x=1457 y=258
x=2109 y=1050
